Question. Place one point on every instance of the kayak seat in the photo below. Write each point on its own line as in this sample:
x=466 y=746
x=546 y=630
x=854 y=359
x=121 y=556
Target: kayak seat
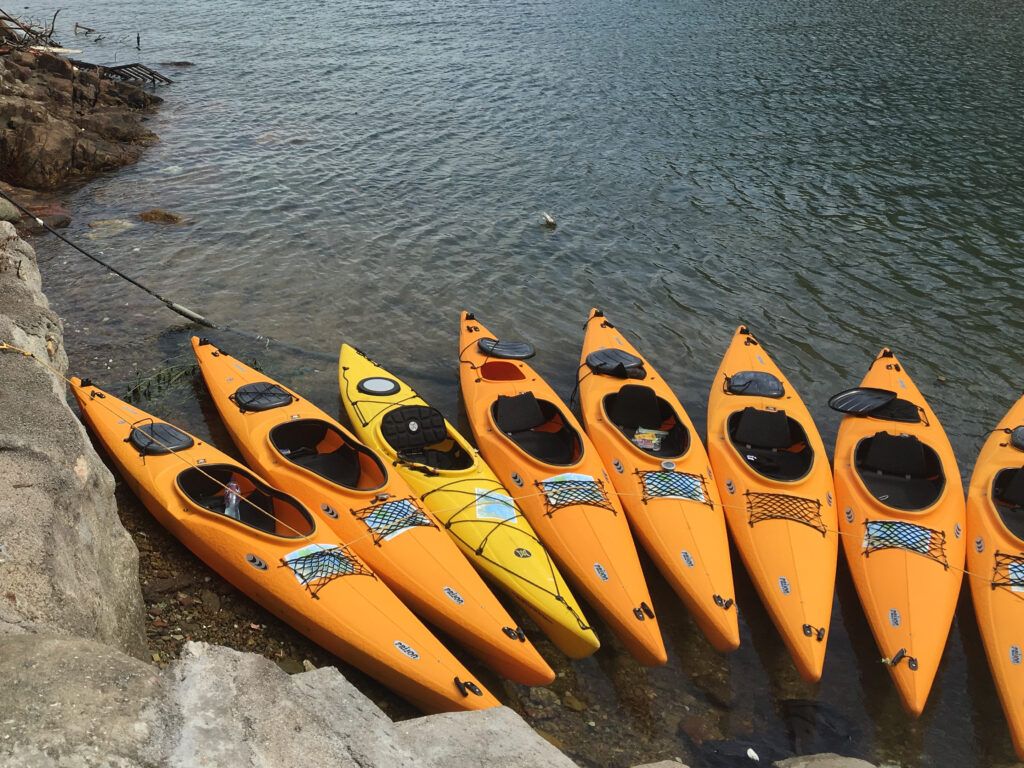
x=538 y=428
x=321 y=448
x=261 y=507
x=773 y=444
x=900 y=470
x=609 y=361
x=419 y=434
x=647 y=421
x=260 y=396
x=1008 y=497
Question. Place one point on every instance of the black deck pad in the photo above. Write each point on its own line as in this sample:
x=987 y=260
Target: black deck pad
x=159 y=439
x=260 y=396
x=616 y=362
x=1017 y=438
x=876 y=403
x=507 y=350
x=754 y=384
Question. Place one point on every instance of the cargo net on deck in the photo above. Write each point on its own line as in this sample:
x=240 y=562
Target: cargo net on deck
x=895 y=534
x=317 y=566
x=780 y=506
x=561 y=493
x=391 y=517
x=666 y=484
x=1008 y=572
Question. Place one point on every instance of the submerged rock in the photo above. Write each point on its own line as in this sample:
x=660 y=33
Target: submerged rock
x=159 y=216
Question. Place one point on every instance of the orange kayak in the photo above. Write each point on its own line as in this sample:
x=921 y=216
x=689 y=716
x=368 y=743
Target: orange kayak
x=995 y=560
x=267 y=545
x=775 y=480
x=307 y=453
x=549 y=466
x=902 y=519
x=662 y=475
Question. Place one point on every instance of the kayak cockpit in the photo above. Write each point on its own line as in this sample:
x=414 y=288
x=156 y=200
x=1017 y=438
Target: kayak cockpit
x=900 y=470
x=1008 y=497
x=771 y=443
x=324 y=450
x=648 y=421
x=538 y=428
x=230 y=490
x=419 y=434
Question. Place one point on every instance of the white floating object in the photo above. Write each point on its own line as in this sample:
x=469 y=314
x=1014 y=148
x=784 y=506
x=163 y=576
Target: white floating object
x=753 y=755
x=549 y=220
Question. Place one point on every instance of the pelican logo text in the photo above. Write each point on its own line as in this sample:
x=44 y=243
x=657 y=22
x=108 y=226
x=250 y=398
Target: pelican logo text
x=454 y=596
x=784 y=585
x=602 y=574
x=894 y=617
x=411 y=653
x=688 y=558
x=1015 y=654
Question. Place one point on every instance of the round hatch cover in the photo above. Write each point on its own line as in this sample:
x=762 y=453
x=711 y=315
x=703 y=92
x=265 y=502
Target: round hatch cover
x=379 y=386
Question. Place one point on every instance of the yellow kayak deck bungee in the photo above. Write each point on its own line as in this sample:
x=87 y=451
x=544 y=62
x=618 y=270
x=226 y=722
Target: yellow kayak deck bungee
x=661 y=473
x=267 y=545
x=307 y=453
x=995 y=561
x=454 y=482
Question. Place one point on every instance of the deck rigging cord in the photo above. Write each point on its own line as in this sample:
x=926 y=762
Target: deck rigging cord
x=189 y=314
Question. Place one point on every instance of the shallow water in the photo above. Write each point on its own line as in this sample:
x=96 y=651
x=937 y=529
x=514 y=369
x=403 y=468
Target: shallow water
x=839 y=176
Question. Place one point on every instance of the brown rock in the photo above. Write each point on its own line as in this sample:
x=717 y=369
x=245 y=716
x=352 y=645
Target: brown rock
x=159 y=216
x=569 y=701
x=211 y=602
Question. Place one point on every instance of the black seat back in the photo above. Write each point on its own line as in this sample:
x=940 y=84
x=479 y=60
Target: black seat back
x=518 y=413
x=1008 y=488
x=763 y=429
x=413 y=427
x=636 y=406
x=896 y=455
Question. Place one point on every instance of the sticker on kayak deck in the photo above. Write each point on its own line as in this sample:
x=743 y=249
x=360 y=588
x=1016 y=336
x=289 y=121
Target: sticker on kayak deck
x=494 y=505
x=408 y=651
x=979 y=544
x=784 y=585
x=957 y=530
x=454 y=596
x=308 y=569
x=572 y=488
x=601 y=572
x=1015 y=654
x=849 y=514
x=522 y=552
x=894 y=617
x=1016 y=573
x=688 y=558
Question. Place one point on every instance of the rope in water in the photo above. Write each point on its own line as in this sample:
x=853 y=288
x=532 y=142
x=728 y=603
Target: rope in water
x=189 y=314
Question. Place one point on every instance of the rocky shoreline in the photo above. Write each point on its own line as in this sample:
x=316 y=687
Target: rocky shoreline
x=96 y=664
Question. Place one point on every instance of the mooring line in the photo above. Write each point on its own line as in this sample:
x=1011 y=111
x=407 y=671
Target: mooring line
x=189 y=314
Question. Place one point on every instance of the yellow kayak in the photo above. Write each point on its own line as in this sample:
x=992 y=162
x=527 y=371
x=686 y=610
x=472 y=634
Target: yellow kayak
x=458 y=487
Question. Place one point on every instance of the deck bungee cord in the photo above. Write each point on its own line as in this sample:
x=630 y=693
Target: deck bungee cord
x=191 y=315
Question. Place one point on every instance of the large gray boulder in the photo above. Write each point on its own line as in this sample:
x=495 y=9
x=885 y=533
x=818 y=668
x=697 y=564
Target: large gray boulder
x=77 y=704
x=66 y=563
x=827 y=760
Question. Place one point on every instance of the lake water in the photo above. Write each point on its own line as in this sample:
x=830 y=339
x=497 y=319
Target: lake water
x=840 y=176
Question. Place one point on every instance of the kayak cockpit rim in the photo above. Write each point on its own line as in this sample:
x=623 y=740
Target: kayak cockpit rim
x=1007 y=496
x=648 y=423
x=321 y=448
x=259 y=506
x=771 y=443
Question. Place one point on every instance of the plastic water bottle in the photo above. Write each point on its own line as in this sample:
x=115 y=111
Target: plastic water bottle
x=231 y=496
